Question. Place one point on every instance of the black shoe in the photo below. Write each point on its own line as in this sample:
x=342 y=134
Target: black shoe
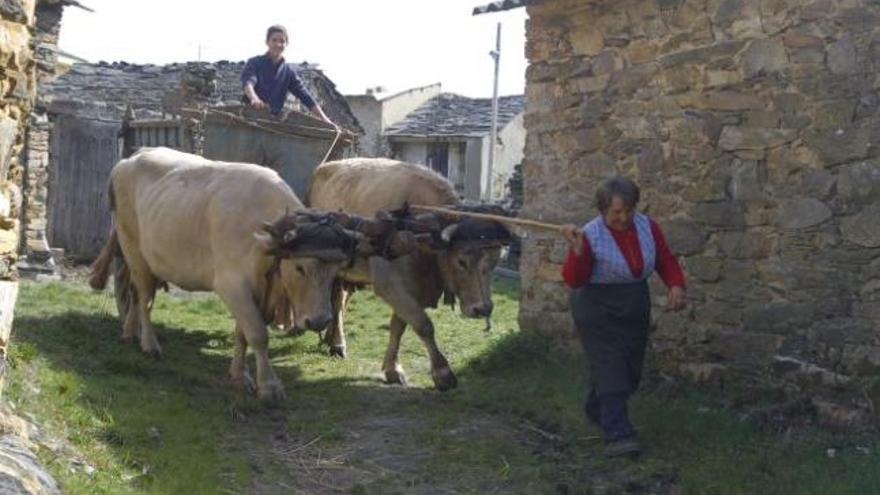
x=593 y=410
x=593 y=417
x=628 y=446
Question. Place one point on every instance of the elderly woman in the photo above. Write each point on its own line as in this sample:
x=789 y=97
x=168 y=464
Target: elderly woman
x=608 y=265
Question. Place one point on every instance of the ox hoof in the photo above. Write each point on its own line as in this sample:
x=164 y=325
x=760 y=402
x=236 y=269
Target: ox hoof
x=244 y=383
x=395 y=377
x=156 y=354
x=337 y=351
x=444 y=379
x=151 y=348
x=272 y=392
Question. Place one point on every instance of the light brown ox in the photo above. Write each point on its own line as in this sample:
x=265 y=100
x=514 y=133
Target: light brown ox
x=410 y=283
x=202 y=225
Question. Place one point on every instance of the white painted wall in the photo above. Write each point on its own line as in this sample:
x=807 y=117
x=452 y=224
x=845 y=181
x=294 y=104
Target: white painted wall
x=397 y=106
x=468 y=160
x=415 y=152
x=376 y=115
x=457 y=170
x=508 y=155
x=475 y=157
x=368 y=111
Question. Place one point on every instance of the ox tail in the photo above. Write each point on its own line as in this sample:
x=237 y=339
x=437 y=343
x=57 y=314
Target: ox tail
x=101 y=266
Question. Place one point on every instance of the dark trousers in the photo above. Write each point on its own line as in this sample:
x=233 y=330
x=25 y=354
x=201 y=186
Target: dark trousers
x=612 y=321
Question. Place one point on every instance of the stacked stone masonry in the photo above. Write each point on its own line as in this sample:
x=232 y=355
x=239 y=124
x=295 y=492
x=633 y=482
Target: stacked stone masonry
x=750 y=126
x=17 y=92
x=28 y=31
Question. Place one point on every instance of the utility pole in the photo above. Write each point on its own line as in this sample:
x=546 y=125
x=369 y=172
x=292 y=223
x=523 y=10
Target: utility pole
x=493 y=132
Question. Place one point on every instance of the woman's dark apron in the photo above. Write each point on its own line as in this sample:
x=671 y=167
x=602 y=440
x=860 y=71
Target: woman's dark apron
x=613 y=322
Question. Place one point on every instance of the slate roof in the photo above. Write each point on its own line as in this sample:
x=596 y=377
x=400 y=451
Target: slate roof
x=501 y=5
x=449 y=114
x=66 y=3
x=119 y=84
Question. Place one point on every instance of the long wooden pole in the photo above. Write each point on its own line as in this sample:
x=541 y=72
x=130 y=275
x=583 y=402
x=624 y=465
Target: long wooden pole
x=493 y=131
x=521 y=222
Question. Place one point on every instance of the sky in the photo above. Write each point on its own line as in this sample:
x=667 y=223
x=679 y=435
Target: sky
x=359 y=44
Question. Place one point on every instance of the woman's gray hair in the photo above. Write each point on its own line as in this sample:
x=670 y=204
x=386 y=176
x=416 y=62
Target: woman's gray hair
x=619 y=186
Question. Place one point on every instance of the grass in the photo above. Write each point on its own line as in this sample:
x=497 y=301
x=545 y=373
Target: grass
x=514 y=424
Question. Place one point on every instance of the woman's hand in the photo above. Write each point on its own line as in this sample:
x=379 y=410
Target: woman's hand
x=675 y=298
x=258 y=103
x=575 y=237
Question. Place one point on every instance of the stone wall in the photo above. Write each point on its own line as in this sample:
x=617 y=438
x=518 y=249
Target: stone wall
x=21 y=40
x=35 y=61
x=17 y=90
x=750 y=127
x=36 y=186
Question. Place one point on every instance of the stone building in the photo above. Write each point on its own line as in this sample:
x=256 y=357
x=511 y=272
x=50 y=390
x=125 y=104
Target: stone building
x=28 y=35
x=28 y=57
x=750 y=126
x=450 y=133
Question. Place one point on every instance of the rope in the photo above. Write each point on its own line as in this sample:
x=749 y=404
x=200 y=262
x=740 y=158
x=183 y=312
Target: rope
x=254 y=123
x=332 y=146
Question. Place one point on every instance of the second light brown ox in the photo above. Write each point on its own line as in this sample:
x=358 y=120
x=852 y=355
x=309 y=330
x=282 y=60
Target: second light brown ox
x=460 y=264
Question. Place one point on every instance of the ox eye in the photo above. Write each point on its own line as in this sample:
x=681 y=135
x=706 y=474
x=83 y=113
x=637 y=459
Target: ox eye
x=300 y=270
x=462 y=264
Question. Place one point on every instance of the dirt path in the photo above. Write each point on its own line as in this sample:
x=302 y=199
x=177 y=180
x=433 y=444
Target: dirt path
x=397 y=449
x=384 y=453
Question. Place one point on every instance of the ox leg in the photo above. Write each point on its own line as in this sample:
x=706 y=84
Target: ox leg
x=149 y=341
x=145 y=290
x=126 y=299
x=335 y=334
x=406 y=308
x=130 y=324
x=444 y=378
x=391 y=367
x=238 y=371
x=248 y=318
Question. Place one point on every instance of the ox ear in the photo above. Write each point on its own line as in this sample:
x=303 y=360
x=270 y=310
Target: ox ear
x=289 y=236
x=265 y=241
x=448 y=232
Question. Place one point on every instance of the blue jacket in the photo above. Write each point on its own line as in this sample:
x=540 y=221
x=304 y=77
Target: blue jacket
x=272 y=82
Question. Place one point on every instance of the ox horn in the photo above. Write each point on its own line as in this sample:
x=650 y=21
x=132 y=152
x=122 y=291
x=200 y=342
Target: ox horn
x=448 y=232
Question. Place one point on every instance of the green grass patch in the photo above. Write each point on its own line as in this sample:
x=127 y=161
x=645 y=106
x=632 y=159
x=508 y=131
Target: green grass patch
x=514 y=424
